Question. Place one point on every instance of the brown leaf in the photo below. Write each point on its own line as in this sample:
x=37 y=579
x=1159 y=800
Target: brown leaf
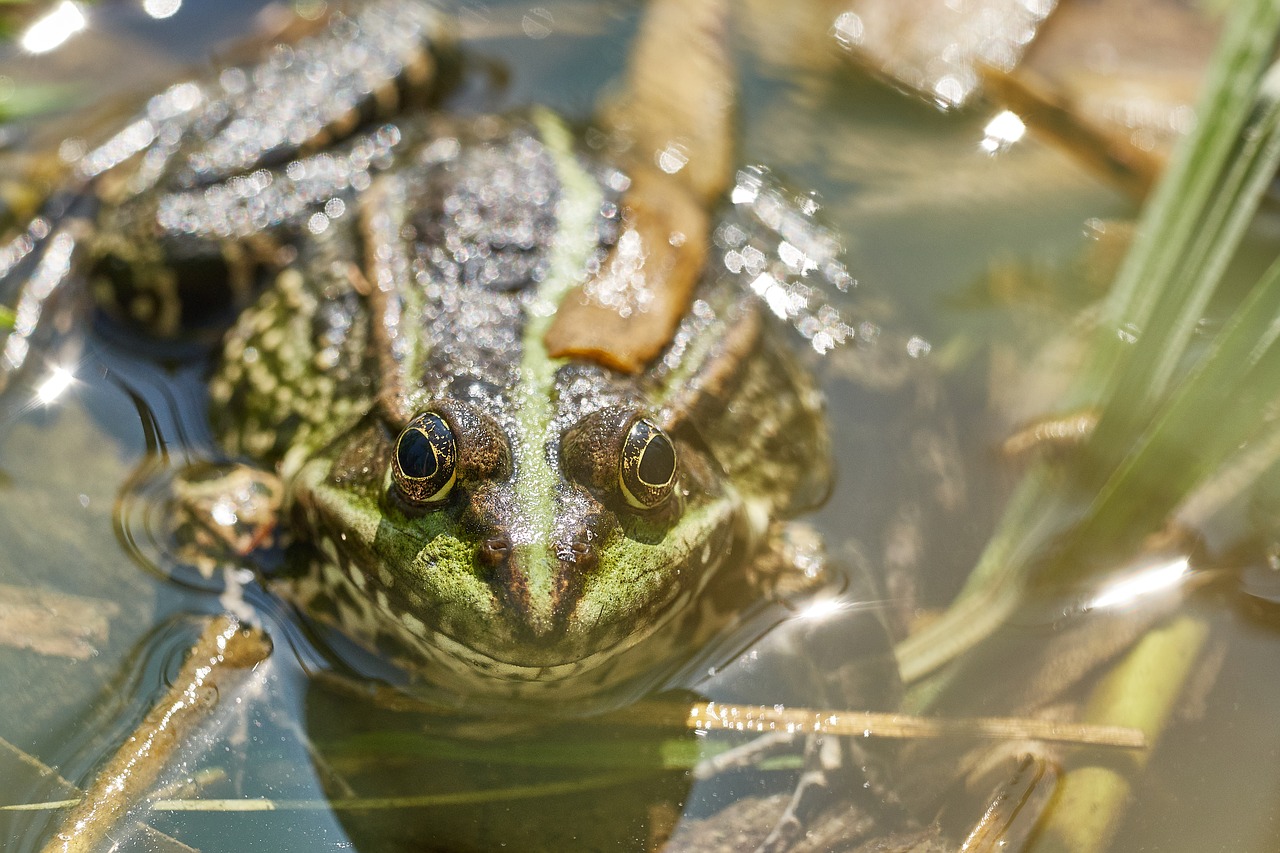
x=627 y=314
x=936 y=47
x=1113 y=82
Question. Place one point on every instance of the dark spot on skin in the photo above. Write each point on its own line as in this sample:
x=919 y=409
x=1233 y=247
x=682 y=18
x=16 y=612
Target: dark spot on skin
x=203 y=293
x=392 y=646
x=344 y=596
x=117 y=271
x=323 y=606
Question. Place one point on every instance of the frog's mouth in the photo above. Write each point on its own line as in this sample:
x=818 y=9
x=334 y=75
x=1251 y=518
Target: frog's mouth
x=415 y=593
x=619 y=608
x=496 y=675
x=631 y=664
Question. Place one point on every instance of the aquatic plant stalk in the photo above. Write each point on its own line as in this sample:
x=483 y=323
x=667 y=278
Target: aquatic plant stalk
x=346 y=804
x=1141 y=691
x=1153 y=411
x=713 y=716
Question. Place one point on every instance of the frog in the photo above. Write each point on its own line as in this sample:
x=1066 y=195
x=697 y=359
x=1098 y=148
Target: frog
x=515 y=518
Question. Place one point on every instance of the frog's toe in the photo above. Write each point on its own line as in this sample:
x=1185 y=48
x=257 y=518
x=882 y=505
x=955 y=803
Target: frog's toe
x=835 y=773
x=222 y=513
x=204 y=516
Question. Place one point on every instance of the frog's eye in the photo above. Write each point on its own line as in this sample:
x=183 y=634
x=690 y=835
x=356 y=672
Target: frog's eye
x=647 y=469
x=424 y=467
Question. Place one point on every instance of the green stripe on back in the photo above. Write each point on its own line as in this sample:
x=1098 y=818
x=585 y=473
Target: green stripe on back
x=576 y=214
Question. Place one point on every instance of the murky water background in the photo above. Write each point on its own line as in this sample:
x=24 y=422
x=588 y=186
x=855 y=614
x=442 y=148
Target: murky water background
x=925 y=214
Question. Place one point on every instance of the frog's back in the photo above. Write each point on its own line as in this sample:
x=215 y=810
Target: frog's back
x=434 y=293
x=505 y=522
x=468 y=246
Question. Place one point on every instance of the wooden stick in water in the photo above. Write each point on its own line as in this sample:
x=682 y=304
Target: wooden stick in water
x=222 y=656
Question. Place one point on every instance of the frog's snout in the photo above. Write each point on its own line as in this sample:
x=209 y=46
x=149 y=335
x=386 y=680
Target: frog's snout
x=537 y=584
x=577 y=555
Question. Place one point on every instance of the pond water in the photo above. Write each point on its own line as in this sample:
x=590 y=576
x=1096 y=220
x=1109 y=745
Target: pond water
x=919 y=406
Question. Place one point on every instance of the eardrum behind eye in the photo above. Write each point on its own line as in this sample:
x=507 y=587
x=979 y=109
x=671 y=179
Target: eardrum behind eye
x=424 y=466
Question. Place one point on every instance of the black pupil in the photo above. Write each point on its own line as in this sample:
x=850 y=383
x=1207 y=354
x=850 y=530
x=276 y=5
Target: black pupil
x=415 y=455
x=657 y=462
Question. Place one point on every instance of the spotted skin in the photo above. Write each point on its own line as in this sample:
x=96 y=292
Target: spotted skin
x=404 y=308
x=412 y=262
x=399 y=263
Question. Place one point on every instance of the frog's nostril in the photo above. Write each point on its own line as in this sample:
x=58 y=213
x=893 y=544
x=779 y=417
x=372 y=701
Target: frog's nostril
x=580 y=555
x=495 y=551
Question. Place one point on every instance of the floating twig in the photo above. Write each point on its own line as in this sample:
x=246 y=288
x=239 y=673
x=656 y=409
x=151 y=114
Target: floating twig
x=759 y=719
x=222 y=655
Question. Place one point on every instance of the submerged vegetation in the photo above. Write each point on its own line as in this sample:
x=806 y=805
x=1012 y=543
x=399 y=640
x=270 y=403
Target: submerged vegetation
x=1174 y=406
x=1184 y=429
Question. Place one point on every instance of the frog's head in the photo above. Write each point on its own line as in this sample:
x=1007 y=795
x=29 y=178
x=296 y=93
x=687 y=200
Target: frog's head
x=494 y=562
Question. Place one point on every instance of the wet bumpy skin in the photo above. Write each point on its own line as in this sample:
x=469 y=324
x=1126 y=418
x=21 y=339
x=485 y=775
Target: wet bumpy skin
x=504 y=524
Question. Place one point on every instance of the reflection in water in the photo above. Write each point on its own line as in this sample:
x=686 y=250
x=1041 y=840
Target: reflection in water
x=1140 y=585
x=160 y=9
x=38 y=288
x=53 y=29
x=54 y=385
x=1002 y=131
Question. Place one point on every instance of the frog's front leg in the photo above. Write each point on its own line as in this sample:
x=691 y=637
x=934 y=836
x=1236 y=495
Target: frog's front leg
x=219 y=515
x=834 y=652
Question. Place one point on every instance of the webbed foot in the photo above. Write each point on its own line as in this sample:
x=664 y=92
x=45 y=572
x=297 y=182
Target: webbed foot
x=222 y=513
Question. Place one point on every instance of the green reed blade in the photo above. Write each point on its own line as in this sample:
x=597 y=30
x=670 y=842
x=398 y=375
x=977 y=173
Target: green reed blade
x=1190 y=229
x=1175 y=211
x=1214 y=411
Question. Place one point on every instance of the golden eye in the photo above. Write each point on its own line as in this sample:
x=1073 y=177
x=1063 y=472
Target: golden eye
x=424 y=468
x=647 y=470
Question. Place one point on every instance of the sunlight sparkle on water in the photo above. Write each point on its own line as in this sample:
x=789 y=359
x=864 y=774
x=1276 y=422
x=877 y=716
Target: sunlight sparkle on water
x=161 y=8
x=822 y=608
x=54 y=385
x=1133 y=588
x=1002 y=131
x=51 y=30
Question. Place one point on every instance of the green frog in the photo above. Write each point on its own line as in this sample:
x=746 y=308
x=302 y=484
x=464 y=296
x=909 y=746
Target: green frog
x=516 y=518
